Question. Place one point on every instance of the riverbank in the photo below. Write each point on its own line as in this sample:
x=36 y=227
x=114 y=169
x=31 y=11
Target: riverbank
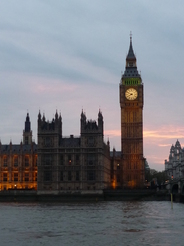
x=106 y=195
x=132 y=195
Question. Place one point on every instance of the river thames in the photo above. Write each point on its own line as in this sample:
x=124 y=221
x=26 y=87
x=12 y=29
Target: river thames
x=100 y=223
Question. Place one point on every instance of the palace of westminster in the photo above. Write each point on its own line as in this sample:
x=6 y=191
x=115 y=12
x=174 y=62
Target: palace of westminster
x=85 y=163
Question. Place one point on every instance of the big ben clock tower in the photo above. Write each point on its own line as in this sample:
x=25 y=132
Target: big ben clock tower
x=131 y=103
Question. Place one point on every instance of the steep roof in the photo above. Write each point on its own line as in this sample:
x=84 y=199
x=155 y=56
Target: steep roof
x=131 y=54
x=131 y=66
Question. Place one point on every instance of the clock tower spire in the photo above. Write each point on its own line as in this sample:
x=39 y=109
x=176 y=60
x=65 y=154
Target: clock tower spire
x=131 y=103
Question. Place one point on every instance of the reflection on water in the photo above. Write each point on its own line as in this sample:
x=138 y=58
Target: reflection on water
x=101 y=223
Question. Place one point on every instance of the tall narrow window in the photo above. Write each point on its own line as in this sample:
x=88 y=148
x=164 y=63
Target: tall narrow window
x=61 y=176
x=5 y=162
x=91 y=175
x=77 y=159
x=15 y=161
x=69 y=159
x=47 y=176
x=69 y=175
x=26 y=140
x=77 y=175
x=15 y=176
x=35 y=176
x=61 y=160
x=48 y=160
x=26 y=177
x=5 y=177
x=91 y=159
x=26 y=161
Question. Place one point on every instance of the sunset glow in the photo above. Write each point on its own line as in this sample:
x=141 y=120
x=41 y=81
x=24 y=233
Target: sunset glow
x=72 y=62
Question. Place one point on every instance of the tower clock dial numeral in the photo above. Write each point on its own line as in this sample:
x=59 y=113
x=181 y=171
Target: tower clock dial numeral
x=131 y=94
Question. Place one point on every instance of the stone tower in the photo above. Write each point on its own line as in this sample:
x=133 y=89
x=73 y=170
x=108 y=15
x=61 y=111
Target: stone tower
x=131 y=103
x=27 y=133
x=49 y=135
x=93 y=152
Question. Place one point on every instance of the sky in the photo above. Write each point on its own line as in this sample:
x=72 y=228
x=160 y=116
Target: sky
x=70 y=55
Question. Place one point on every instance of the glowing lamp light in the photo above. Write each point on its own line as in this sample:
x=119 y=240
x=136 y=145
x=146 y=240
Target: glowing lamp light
x=114 y=184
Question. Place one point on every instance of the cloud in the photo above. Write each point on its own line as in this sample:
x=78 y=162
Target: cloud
x=165 y=132
x=157 y=143
x=164 y=145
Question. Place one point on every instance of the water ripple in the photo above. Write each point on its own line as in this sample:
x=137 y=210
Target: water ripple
x=101 y=223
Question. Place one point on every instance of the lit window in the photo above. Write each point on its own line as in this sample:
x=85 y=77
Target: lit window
x=26 y=177
x=5 y=177
x=35 y=176
x=15 y=176
x=69 y=159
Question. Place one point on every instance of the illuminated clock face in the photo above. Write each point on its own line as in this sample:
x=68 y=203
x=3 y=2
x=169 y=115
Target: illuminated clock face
x=131 y=94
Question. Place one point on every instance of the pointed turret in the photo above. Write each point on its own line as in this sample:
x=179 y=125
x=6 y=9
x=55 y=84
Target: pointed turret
x=83 y=116
x=27 y=124
x=56 y=115
x=177 y=145
x=27 y=133
x=100 y=121
x=39 y=116
x=100 y=116
x=83 y=121
x=43 y=118
x=131 y=68
x=131 y=55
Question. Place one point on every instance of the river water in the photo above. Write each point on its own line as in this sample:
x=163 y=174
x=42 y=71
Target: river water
x=100 y=223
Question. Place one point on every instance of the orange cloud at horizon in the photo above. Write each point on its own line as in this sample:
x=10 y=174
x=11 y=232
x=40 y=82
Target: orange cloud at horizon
x=166 y=132
x=157 y=142
x=164 y=145
x=163 y=135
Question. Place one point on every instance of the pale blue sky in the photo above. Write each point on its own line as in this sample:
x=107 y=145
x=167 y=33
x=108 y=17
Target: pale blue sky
x=69 y=55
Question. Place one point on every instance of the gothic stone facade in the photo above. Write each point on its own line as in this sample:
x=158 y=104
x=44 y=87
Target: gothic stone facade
x=72 y=163
x=18 y=162
x=174 y=166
